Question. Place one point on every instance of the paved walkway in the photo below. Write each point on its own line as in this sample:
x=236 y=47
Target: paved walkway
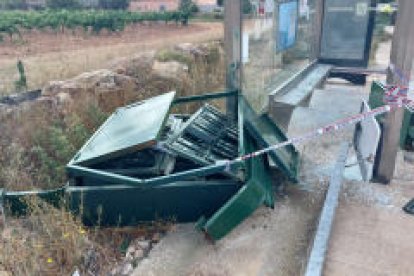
x=374 y=238
x=371 y=234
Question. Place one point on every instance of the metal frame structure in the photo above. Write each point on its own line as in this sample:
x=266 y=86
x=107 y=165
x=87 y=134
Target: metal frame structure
x=107 y=198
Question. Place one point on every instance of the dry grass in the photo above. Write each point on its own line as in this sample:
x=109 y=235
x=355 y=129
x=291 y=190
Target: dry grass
x=37 y=141
x=51 y=242
x=34 y=154
x=44 y=67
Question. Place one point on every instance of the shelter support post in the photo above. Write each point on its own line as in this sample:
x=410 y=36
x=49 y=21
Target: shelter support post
x=402 y=54
x=232 y=42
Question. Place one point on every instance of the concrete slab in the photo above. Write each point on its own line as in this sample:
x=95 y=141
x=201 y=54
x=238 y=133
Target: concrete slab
x=270 y=242
x=368 y=240
x=338 y=101
x=327 y=106
x=371 y=233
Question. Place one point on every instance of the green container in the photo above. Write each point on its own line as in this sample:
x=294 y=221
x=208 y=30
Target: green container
x=144 y=164
x=376 y=99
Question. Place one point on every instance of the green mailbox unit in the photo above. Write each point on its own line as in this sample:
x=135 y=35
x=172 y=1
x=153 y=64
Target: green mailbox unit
x=145 y=163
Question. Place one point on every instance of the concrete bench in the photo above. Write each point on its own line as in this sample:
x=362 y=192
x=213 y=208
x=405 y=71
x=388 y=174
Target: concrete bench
x=296 y=91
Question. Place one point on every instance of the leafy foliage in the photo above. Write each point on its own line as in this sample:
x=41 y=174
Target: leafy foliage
x=247 y=6
x=11 y=22
x=63 y=4
x=114 y=4
x=13 y=4
x=42 y=163
x=186 y=9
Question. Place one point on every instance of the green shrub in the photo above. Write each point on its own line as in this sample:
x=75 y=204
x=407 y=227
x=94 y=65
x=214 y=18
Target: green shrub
x=62 y=4
x=114 y=4
x=54 y=146
x=169 y=55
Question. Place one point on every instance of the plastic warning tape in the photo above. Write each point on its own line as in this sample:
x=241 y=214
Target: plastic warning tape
x=330 y=128
x=396 y=96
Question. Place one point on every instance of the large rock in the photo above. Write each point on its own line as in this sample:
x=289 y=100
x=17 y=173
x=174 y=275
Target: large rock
x=138 y=67
x=108 y=88
x=172 y=70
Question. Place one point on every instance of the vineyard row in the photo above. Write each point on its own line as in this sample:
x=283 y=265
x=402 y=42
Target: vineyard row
x=12 y=22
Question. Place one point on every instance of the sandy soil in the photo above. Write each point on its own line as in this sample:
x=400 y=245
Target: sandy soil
x=38 y=42
x=372 y=235
x=260 y=246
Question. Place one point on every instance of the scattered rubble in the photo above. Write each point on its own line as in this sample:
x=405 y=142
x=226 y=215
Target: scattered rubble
x=137 y=250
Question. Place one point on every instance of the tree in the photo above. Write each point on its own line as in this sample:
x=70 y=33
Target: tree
x=13 y=4
x=187 y=8
x=62 y=4
x=114 y=4
x=247 y=5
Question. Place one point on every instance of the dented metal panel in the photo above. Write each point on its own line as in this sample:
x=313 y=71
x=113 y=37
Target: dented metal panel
x=267 y=133
x=129 y=129
x=207 y=137
x=138 y=168
x=256 y=192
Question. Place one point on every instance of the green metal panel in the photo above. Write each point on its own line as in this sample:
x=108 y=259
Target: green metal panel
x=411 y=131
x=256 y=192
x=121 y=205
x=235 y=211
x=206 y=97
x=267 y=133
x=258 y=169
x=207 y=137
x=376 y=99
x=18 y=203
x=93 y=177
x=127 y=206
x=129 y=129
x=257 y=132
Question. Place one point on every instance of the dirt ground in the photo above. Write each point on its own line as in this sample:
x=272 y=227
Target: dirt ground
x=371 y=233
x=50 y=56
x=41 y=42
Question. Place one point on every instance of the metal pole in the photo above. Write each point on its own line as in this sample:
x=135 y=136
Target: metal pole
x=232 y=42
x=402 y=54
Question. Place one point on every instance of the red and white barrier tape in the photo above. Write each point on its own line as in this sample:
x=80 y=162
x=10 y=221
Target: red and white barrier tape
x=393 y=97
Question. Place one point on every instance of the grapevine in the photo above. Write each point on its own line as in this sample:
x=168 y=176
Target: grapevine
x=90 y=21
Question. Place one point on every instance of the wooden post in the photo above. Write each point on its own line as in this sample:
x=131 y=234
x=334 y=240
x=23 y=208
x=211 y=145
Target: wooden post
x=402 y=54
x=232 y=45
x=316 y=29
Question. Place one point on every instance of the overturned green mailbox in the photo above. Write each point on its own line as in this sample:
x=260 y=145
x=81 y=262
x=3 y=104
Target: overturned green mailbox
x=145 y=163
